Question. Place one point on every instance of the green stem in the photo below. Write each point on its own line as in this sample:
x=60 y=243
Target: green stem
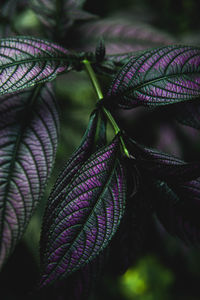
x=99 y=93
x=93 y=79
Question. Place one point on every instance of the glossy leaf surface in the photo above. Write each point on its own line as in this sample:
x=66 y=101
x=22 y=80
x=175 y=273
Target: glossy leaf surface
x=29 y=131
x=177 y=208
x=25 y=62
x=161 y=76
x=87 y=217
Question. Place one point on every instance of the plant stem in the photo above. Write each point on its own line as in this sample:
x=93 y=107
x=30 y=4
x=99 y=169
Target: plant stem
x=99 y=93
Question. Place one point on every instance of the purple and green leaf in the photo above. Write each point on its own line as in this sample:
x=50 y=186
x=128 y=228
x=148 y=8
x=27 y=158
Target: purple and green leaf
x=160 y=76
x=27 y=61
x=87 y=217
x=29 y=130
x=75 y=162
x=167 y=167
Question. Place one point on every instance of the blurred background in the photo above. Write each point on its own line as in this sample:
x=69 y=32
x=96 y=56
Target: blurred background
x=165 y=268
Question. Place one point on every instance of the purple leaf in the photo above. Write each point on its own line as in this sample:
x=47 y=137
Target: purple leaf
x=177 y=207
x=71 y=168
x=167 y=167
x=26 y=61
x=121 y=37
x=162 y=165
x=87 y=217
x=29 y=131
x=161 y=76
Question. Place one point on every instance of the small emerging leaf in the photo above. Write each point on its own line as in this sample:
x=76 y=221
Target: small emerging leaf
x=26 y=61
x=87 y=217
x=29 y=132
x=161 y=76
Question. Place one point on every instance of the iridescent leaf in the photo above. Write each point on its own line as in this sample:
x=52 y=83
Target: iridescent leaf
x=87 y=217
x=25 y=62
x=29 y=131
x=71 y=168
x=177 y=207
x=161 y=76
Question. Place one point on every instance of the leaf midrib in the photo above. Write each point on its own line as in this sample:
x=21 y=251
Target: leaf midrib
x=12 y=165
x=166 y=77
x=86 y=221
x=36 y=59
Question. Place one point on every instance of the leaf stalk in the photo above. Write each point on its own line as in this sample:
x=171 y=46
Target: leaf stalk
x=99 y=93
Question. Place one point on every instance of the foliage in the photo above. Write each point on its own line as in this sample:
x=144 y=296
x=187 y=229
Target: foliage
x=113 y=186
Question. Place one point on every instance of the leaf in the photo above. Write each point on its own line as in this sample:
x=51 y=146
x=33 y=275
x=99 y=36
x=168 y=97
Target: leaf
x=163 y=166
x=121 y=37
x=26 y=61
x=57 y=16
x=161 y=76
x=71 y=168
x=29 y=132
x=167 y=167
x=87 y=217
x=84 y=282
x=177 y=207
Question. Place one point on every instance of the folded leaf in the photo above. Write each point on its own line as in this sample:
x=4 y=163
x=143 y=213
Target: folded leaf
x=87 y=217
x=177 y=207
x=29 y=131
x=26 y=61
x=160 y=76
